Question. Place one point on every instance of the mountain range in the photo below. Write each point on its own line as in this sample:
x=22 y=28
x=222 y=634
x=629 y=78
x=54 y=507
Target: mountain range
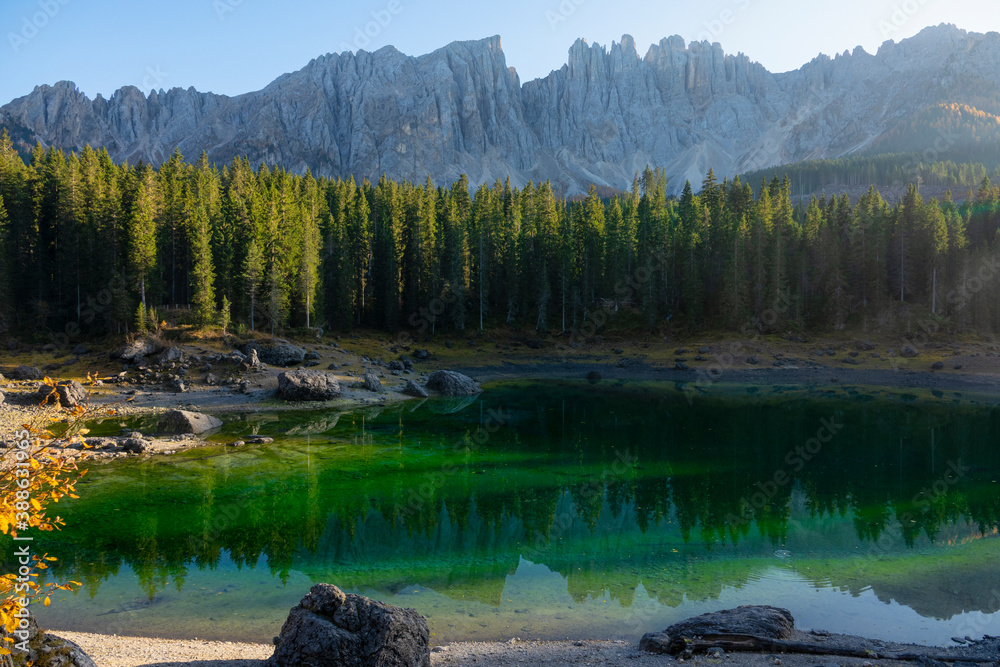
x=604 y=115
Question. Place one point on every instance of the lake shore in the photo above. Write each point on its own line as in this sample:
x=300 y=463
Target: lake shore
x=960 y=371
x=968 y=374
x=115 y=651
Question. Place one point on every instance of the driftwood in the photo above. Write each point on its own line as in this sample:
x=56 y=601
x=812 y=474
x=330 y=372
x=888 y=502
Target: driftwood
x=750 y=643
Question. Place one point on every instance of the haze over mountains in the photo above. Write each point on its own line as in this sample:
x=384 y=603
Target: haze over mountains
x=600 y=118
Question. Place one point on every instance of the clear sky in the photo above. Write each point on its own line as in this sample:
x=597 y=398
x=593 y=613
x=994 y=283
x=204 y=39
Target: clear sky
x=236 y=46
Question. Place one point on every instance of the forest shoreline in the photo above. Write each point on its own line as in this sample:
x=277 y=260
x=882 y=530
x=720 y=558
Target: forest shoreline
x=966 y=373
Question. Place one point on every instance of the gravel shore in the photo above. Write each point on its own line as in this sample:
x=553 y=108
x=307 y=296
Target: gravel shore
x=140 y=652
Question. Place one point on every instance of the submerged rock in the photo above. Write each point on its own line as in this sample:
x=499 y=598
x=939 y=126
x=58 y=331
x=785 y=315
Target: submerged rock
x=330 y=628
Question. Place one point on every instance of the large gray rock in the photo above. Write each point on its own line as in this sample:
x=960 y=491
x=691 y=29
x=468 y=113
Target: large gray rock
x=170 y=354
x=909 y=352
x=608 y=112
x=303 y=385
x=182 y=421
x=450 y=383
x=70 y=392
x=757 y=620
x=2 y=398
x=275 y=352
x=137 y=349
x=372 y=383
x=330 y=628
x=415 y=390
x=27 y=373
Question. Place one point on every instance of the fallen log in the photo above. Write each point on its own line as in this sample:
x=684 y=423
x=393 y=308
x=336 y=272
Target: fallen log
x=750 y=643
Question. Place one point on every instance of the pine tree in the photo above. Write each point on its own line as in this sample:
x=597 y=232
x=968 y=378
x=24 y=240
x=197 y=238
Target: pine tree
x=253 y=275
x=203 y=272
x=142 y=230
x=225 y=314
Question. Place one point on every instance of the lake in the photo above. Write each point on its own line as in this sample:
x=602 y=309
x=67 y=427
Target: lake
x=556 y=510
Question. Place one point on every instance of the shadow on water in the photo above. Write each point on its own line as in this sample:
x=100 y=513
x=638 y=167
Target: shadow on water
x=553 y=510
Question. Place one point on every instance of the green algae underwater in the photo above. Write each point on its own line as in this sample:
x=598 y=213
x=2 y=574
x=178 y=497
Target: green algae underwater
x=555 y=510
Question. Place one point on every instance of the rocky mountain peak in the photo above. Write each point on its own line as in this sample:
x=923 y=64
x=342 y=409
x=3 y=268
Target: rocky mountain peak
x=604 y=115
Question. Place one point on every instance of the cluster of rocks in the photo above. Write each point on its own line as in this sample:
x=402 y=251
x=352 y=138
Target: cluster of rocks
x=397 y=367
x=173 y=368
x=134 y=443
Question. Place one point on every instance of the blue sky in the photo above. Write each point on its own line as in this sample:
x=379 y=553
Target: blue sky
x=236 y=46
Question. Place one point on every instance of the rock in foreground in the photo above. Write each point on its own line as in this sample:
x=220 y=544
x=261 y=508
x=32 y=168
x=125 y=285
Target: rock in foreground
x=757 y=620
x=46 y=649
x=450 y=383
x=303 y=385
x=330 y=628
x=182 y=421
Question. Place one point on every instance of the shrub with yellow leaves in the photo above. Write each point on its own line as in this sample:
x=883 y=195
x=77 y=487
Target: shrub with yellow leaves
x=36 y=472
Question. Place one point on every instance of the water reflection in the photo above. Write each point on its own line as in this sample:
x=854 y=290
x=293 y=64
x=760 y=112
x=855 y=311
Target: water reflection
x=614 y=492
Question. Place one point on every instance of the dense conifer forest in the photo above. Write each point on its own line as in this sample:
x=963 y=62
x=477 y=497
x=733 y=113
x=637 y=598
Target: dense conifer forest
x=90 y=247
